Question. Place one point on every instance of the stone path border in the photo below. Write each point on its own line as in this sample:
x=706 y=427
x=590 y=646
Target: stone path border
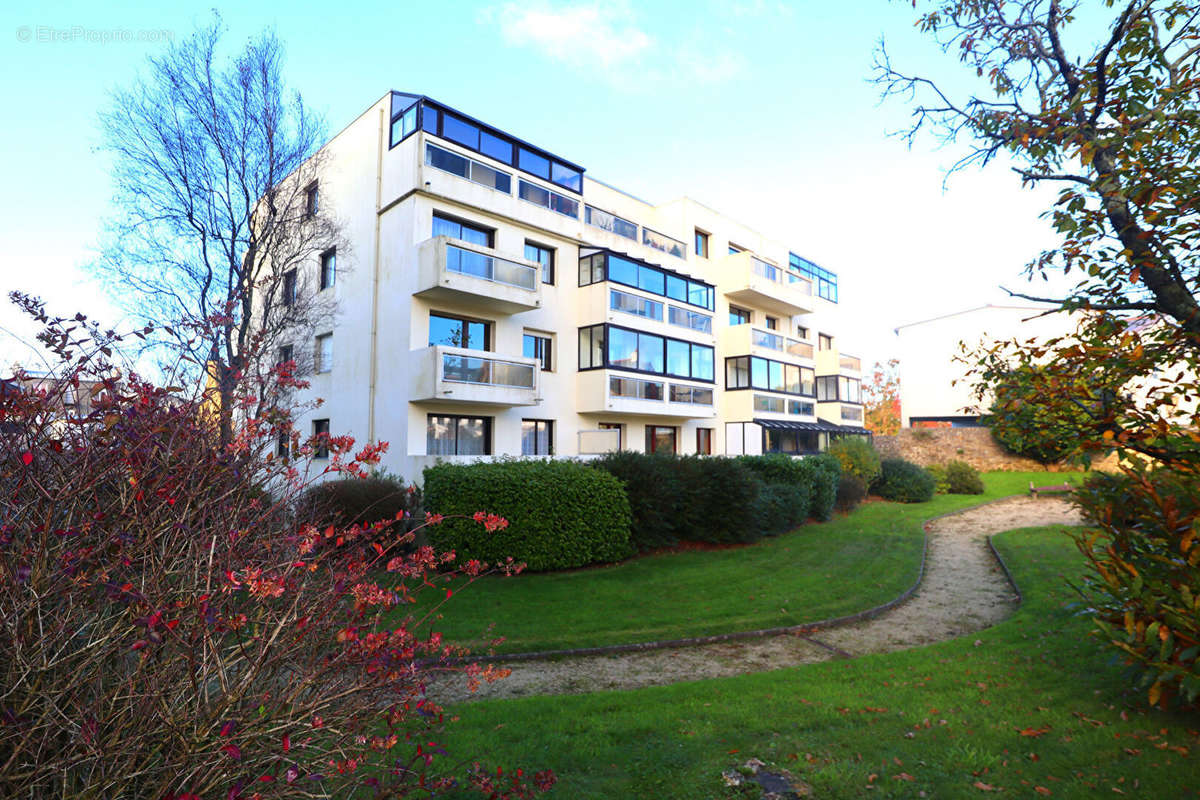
x=691 y=658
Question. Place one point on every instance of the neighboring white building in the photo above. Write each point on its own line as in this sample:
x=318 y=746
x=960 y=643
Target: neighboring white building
x=497 y=301
x=933 y=387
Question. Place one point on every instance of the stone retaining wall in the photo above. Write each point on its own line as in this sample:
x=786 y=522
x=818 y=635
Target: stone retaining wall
x=976 y=446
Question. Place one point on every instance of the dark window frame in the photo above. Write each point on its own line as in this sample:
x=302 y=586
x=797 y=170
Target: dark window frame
x=550 y=265
x=700 y=245
x=549 y=424
x=312 y=199
x=824 y=342
x=487 y=432
x=288 y=292
x=327 y=278
x=430 y=117
x=543 y=349
x=606 y=276
x=285 y=353
x=321 y=426
x=767 y=388
x=743 y=315
x=607 y=327
x=650 y=438
x=704 y=443
x=488 y=325
x=475 y=226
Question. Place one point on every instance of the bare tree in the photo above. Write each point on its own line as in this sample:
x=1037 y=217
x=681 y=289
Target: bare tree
x=221 y=233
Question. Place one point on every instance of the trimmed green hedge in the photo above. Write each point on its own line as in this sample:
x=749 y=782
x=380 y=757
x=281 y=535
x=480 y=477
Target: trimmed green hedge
x=560 y=513
x=718 y=500
x=781 y=507
x=655 y=490
x=904 y=482
x=822 y=473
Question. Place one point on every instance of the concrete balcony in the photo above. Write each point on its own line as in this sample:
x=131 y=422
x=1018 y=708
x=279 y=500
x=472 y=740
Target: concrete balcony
x=739 y=339
x=832 y=362
x=750 y=281
x=455 y=374
x=475 y=276
x=603 y=391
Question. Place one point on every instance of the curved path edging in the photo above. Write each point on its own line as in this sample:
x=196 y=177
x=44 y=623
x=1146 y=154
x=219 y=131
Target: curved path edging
x=802 y=630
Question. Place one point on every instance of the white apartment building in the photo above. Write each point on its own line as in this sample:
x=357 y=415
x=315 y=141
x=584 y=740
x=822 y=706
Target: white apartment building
x=497 y=301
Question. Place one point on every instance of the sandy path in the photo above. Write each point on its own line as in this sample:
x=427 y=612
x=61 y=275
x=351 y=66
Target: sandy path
x=964 y=590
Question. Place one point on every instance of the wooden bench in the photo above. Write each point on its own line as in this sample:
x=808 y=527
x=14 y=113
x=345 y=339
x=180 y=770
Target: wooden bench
x=1062 y=488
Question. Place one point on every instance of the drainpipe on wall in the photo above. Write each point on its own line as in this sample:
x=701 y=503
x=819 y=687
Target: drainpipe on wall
x=375 y=280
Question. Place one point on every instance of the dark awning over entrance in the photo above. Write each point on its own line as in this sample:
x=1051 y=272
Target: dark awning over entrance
x=820 y=426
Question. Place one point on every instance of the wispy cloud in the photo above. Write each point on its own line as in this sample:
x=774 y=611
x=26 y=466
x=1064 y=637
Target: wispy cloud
x=606 y=39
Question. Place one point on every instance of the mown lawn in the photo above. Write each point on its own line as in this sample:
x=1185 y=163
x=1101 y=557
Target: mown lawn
x=819 y=571
x=1032 y=707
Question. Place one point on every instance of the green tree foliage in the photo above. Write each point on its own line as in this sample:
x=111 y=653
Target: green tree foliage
x=857 y=456
x=904 y=482
x=1103 y=101
x=1023 y=421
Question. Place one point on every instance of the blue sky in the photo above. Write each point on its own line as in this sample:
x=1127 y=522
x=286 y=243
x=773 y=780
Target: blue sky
x=761 y=109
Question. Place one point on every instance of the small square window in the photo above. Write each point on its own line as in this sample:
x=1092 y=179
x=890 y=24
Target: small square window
x=321 y=433
x=286 y=353
x=772 y=323
x=824 y=341
x=802 y=331
x=328 y=268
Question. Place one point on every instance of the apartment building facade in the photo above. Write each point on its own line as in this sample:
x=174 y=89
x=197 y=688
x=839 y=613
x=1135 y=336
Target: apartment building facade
x=497 y=301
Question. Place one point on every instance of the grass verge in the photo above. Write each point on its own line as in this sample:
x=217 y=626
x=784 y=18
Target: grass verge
x=819 y=571
x=1031 y=707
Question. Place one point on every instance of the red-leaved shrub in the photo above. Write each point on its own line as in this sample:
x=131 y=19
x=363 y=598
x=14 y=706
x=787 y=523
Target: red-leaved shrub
x=172 y=630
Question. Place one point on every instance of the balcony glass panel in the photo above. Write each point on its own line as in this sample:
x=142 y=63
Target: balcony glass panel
x=532 y=193
x=497 y=270
x=764 y=402
x=610 y=222
x=852 y=413
x=632 y=304
x=632 y=387
x=468 y=168
x=764 y=270
x=694 y=395
x=660 y=241
x=797 y=348
x=701 y=323
x=771 y=341
x=486 y=371
x=851 y=363
x=533 y=163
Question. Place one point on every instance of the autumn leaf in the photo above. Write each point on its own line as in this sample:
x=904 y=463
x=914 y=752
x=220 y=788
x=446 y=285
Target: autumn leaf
x=1034 y=732
x=983 y=787
x=1042 y=790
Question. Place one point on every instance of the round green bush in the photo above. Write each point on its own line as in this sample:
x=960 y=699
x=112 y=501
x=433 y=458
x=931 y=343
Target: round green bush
x=852 y=490
x=962 y=478
x=904 y=482
x=560 y=513
x=857 y=456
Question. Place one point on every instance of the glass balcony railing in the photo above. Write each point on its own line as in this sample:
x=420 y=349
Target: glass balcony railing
x=796 y=347
x=850 y=363
x=487 y=371
x=490 y=268
x=781 y=276
x=771 y=341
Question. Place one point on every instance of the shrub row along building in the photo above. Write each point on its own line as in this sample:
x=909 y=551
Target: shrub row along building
x=502 y=303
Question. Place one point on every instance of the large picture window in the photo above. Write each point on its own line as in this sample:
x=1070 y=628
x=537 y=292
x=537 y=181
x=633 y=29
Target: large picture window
x=457 y=229
x=537 y=437
x=643 y=352
x=602 y=266
x=832 y=388
x=661 y=439
x=450 y=435
x=752 y=372
x=454 y=331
